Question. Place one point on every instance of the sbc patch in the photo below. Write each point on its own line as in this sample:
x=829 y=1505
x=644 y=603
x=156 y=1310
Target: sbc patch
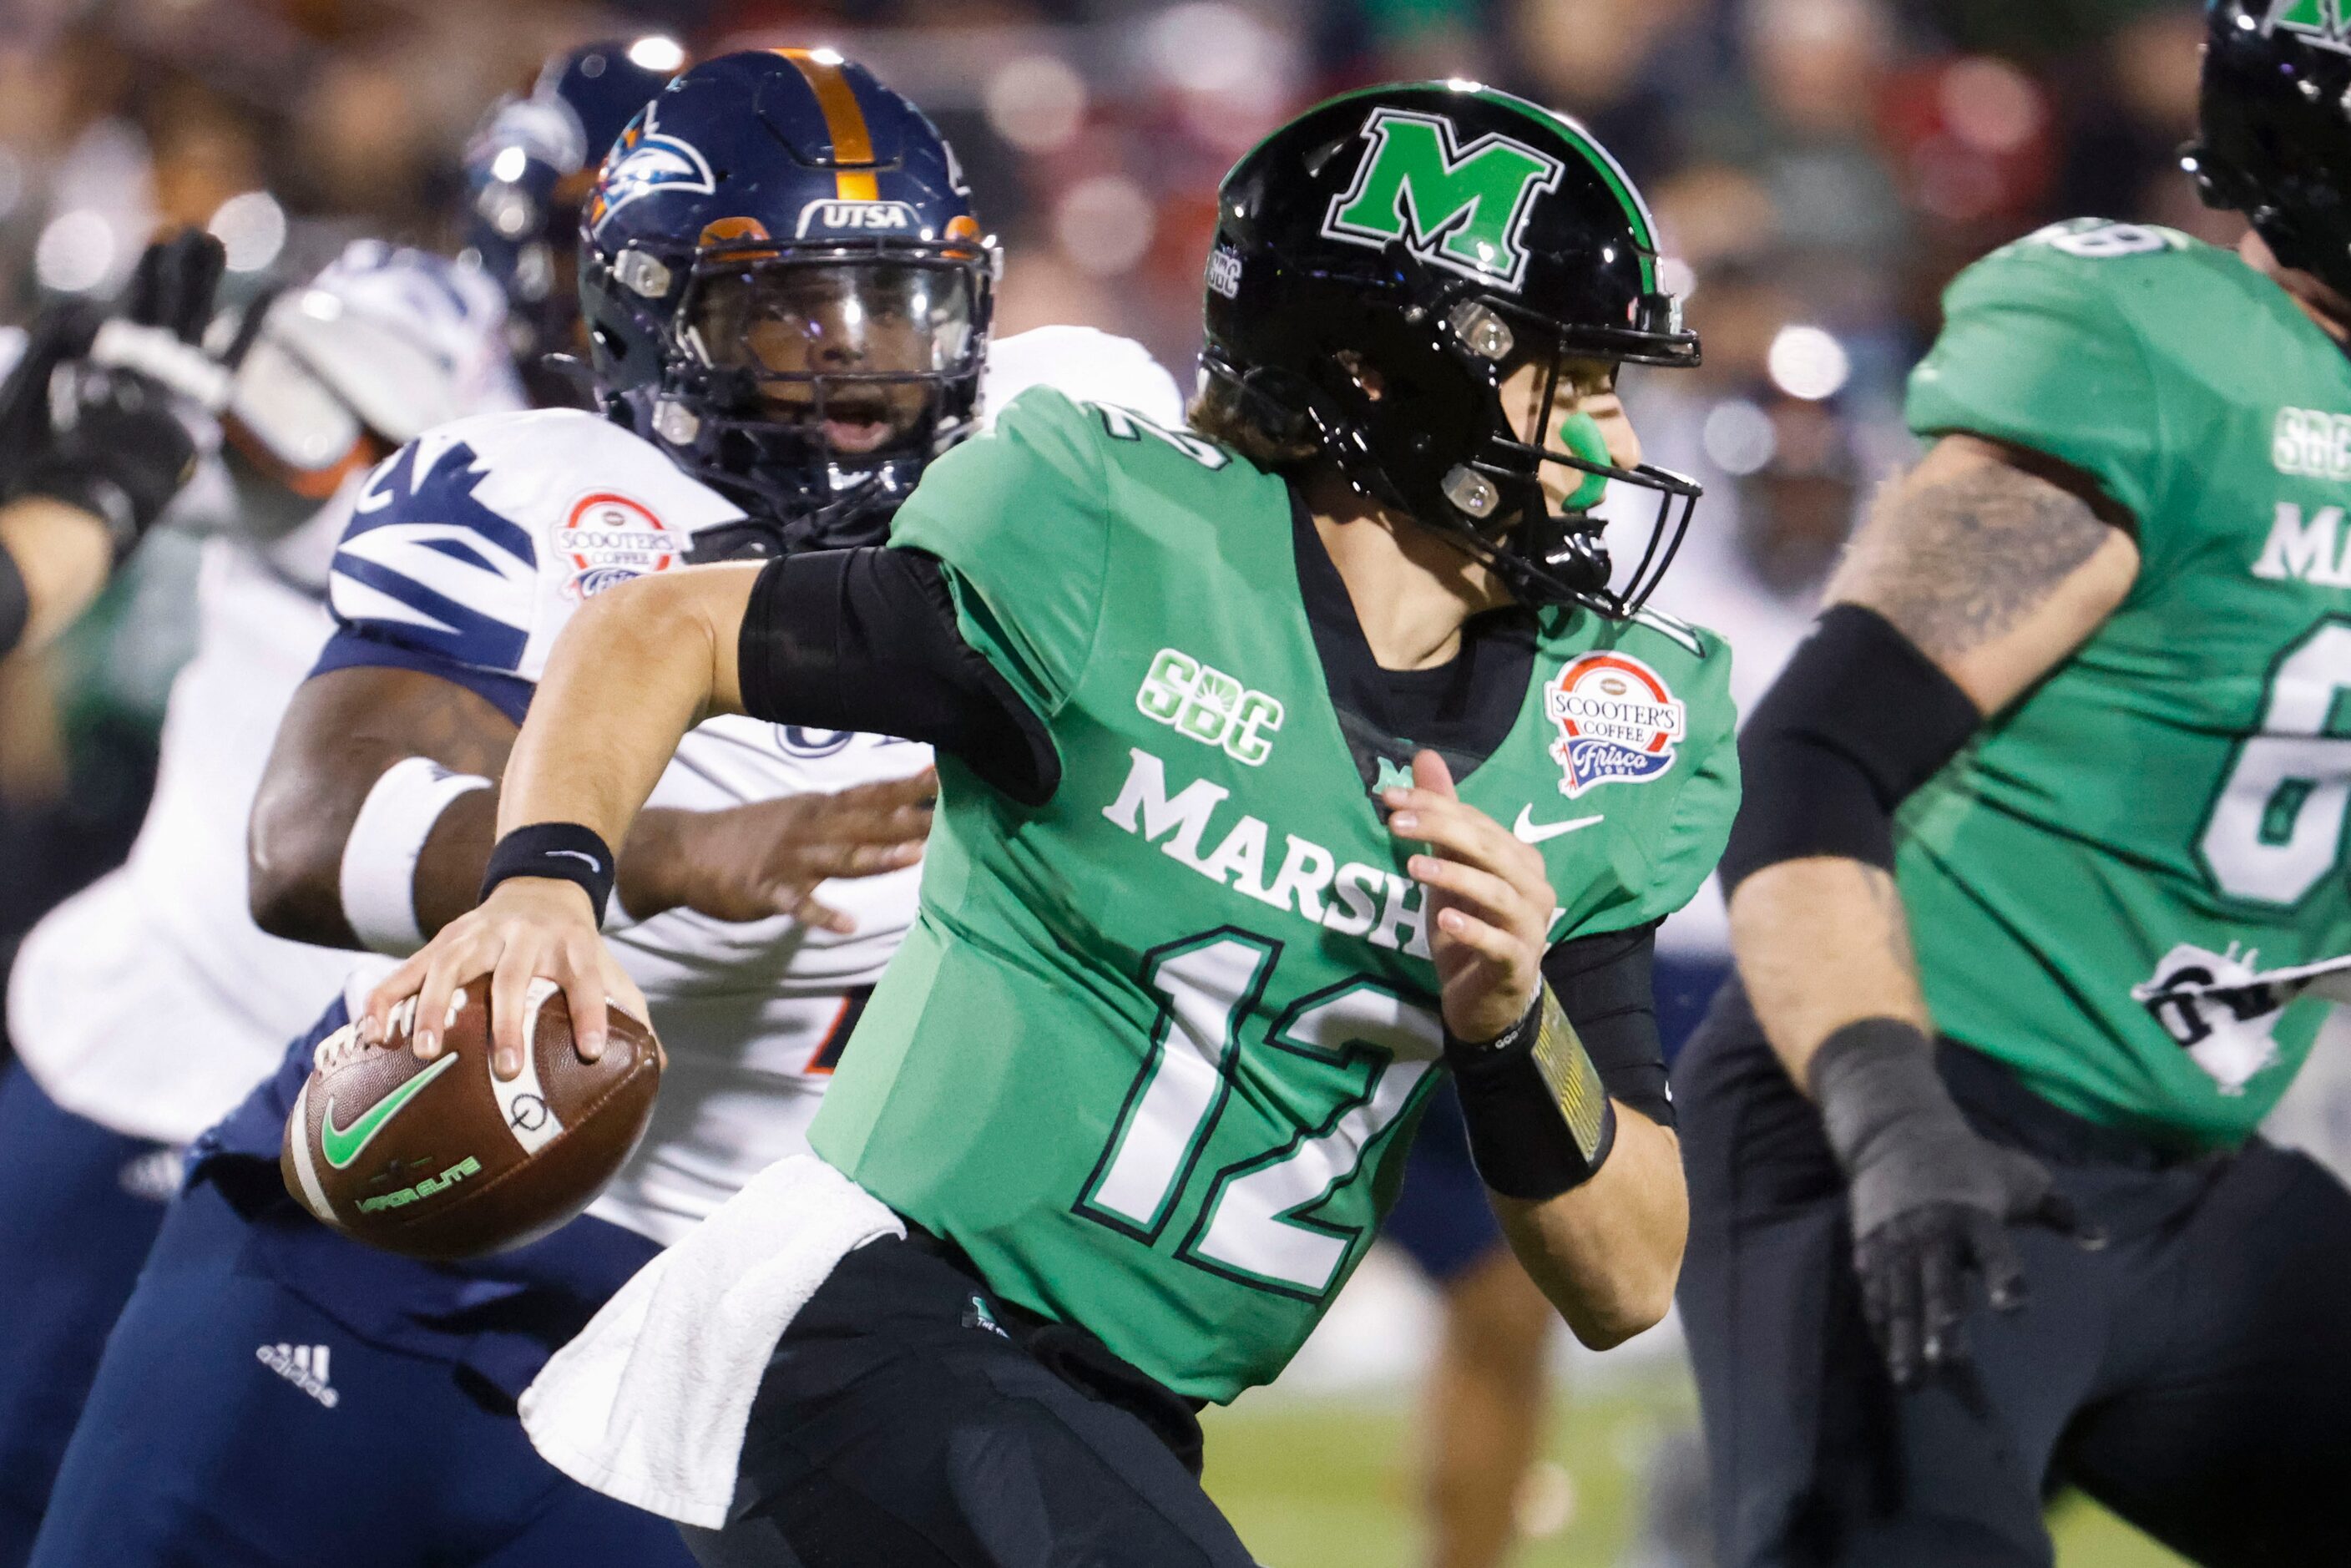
x=612 y=538
x=1618 y=722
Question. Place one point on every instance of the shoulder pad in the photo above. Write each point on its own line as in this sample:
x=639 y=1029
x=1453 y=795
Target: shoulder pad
x=2100 y=239
x=1082 y=363
x=407 y=339
x=1650 y=626
x=476 y=542
x=2086 y=258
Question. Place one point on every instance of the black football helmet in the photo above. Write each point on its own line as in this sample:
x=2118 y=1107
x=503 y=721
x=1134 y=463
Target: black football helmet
x=2274 y=126
x=1443 y=236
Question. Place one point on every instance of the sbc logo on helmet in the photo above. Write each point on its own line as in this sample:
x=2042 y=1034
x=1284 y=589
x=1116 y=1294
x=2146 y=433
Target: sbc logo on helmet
x=1619 y=722
x=1460 y=207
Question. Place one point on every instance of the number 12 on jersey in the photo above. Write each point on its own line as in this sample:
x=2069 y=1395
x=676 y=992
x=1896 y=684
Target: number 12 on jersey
x=1254 y=1223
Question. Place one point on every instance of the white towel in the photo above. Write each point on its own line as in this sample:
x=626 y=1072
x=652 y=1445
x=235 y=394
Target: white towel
x=650 y=1403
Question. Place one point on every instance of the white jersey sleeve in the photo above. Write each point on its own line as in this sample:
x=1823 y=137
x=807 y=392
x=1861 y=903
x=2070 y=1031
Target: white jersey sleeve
x=470 y=548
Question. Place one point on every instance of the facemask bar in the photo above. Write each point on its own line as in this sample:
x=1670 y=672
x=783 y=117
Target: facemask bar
x=1562 y=554
x=803 y=488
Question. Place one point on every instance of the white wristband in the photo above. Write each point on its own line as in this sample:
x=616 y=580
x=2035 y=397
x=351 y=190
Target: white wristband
x=379 y=873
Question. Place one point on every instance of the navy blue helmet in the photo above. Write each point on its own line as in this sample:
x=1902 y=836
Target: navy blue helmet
x=786 y=288
x=527 y=171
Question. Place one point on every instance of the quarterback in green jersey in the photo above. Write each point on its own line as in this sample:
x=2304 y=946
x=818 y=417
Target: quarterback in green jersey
x=1285 y=760
x=2044 y=841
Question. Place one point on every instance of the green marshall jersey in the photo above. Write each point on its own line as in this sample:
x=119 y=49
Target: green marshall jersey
x=2167 y=810
x=1154 y=1049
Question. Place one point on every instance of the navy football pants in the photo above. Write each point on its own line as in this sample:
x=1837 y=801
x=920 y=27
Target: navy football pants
x=210 y=1441
x=79 y=1208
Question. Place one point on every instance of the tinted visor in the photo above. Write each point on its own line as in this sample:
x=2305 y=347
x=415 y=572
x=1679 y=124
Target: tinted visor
x=857 y=349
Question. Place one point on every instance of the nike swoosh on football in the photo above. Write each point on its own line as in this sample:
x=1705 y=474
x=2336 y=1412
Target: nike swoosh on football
x=1529 y=831
x=593 y=863
x=341 y=1146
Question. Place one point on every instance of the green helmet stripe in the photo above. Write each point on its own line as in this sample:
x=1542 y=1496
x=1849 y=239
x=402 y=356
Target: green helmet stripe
x=1636 y=211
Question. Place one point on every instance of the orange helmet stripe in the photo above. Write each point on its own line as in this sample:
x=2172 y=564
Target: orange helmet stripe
x=844 y=120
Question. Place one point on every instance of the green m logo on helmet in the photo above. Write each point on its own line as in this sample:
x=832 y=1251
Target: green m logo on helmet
x=2322 y=22
x=1460 y=207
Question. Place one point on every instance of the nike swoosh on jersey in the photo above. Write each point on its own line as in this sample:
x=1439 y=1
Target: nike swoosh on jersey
x=1530 y=832
x=341 y=1146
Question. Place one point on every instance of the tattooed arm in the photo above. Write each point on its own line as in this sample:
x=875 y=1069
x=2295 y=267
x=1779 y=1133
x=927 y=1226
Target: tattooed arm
x=1997 y=563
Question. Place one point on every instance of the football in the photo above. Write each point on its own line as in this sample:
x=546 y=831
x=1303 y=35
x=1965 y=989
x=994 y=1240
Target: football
x=442 y=1160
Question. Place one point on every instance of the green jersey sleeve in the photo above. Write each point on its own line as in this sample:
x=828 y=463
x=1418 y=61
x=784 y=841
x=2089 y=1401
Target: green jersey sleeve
x=1672 y=849
x=2038 y=350
x=1019 y=518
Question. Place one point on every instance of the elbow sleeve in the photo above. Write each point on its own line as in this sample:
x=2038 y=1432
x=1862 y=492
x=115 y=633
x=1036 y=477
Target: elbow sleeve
x=867 y=640
x=1606 y=986
x=1859 y=720
x=15 y=602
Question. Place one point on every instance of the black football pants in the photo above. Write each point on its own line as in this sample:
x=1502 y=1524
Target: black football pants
x=909 y=1418
x=2194 y=1374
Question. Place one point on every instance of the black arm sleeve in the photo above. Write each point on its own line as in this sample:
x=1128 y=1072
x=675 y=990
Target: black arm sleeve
x=1858 y=719
x=1603 y=986
x=16 y=603
x=866 y=640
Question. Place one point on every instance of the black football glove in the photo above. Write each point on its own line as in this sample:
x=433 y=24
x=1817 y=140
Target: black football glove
x=107 y=435
x=1931 y=1198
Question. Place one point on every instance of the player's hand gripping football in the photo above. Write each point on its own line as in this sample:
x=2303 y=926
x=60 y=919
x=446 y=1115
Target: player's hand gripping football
x=529 y=928
x=1485 y=896
x=756 y=862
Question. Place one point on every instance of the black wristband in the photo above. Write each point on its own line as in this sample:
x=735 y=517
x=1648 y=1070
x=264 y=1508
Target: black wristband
x=16 y=601
x=565 y=851
x=1538 y=1118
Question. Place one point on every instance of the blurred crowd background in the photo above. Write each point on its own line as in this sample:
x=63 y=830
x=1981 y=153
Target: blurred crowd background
x=1820 y=169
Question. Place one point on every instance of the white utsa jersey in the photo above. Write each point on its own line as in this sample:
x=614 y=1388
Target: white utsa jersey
x=149 y=1002
x=467 y=555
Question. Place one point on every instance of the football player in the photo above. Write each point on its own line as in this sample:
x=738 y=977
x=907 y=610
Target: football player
x=1282 y=758
x=2057 y=779
x=145 y=1008
x=788 y=298
x=77 y=494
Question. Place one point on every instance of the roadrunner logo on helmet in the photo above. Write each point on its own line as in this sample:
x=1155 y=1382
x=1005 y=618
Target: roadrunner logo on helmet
x=1384 y=264
x=786 y=290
